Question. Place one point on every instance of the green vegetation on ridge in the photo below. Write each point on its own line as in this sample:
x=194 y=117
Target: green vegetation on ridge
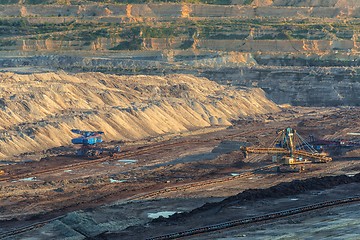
x=212 y=28
x=131 y=34
x=74 y=2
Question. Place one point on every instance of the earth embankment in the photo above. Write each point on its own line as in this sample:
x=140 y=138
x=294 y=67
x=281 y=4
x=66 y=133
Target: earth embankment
x=38 y=110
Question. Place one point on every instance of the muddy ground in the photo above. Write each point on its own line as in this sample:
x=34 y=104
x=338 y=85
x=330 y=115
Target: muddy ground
x=93 y=201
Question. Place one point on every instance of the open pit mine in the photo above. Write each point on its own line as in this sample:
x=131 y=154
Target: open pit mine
x=138 y=119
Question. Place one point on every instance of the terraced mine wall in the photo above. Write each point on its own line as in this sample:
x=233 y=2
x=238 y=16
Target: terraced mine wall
x=246 y=46
x=179 y=10
x=308 y=83
x=299 y=52
x=310 y=86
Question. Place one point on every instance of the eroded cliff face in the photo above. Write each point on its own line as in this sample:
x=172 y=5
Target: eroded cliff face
x=317 y=3
x=309 y=86
x=309 y=8
x=305 y=80
x=37 y=111
x=159 y=44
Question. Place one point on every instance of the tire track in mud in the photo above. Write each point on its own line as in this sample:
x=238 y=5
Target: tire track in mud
x=143 y=150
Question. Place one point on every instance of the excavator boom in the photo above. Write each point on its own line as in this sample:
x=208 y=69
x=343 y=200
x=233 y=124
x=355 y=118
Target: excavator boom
x=264 y=150
x=288 y=148
x=316 y=156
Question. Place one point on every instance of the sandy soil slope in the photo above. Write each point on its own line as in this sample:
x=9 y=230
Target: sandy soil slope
x=37 y=111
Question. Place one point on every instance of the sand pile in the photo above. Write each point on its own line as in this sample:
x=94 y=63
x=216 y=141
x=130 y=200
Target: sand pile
x=37 y=111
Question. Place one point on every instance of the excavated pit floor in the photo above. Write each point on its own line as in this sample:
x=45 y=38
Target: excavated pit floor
x=92 y=200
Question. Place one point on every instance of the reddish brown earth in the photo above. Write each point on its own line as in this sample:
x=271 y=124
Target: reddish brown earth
x=203 y=155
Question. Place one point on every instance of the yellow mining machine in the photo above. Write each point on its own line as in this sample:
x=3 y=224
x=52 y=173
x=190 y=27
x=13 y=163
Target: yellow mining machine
x=2 y=172
x=289 y=148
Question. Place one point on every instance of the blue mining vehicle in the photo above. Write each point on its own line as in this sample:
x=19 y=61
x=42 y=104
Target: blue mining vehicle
x=88 y=141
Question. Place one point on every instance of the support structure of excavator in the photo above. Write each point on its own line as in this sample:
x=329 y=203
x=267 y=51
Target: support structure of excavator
x=290 y=148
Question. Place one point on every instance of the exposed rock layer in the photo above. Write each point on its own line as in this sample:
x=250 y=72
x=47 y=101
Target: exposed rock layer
x=300 y=52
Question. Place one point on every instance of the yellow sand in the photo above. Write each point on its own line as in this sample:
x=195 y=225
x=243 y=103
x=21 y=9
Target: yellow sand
x=37 y=111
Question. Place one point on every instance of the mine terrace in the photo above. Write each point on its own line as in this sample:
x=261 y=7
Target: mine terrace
x=181 y=119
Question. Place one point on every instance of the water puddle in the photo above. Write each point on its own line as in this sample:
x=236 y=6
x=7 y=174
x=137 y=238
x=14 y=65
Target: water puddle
x=67 y=170
x=294 y=199
x=4 y=162
x=28 y=179
x=235 y=174
x=164 y=214
x=351 y=174
x=127 y=161
x=237 y=207
x=116 y=181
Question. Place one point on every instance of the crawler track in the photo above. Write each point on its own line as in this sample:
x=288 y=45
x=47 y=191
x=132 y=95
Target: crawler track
x=199 y=184
x=97 y=161
x=271 y=216
x=143 y=150
x=153 y=194
x=144 y=196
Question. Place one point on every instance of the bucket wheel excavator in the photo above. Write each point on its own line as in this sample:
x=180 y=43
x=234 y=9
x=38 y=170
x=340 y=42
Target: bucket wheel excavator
x=289 y=148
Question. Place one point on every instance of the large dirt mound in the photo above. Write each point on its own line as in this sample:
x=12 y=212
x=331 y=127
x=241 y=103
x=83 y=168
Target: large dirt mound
x=37 y=111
